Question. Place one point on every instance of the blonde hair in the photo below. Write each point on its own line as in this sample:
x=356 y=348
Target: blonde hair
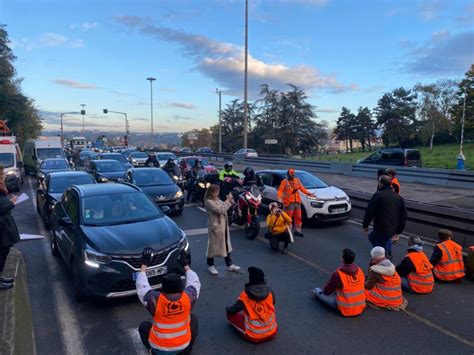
x=210 y=191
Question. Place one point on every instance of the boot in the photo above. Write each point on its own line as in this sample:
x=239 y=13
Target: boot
x=5 y=286
x=6 y=280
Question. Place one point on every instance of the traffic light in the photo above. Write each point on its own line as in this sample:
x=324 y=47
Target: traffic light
x=106 y=111
x=83 y=112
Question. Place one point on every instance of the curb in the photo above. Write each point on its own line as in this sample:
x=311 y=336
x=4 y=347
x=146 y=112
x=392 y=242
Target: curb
x=16 y=325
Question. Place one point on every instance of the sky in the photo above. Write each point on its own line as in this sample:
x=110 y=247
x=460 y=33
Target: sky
x=342 y=52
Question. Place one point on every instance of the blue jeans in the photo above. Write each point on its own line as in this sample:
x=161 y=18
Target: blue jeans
x=381 y=241
x=329 y=301
x=405 y=284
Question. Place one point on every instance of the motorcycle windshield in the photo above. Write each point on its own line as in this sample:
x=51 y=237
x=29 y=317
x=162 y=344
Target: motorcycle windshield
x=255 y=191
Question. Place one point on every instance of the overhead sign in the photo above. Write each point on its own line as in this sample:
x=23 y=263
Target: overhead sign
x=271 y=141
x=192 y=136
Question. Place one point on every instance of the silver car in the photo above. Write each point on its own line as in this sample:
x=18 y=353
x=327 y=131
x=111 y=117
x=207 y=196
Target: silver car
x=138 y=158
x=246 y=152
x=330 y=205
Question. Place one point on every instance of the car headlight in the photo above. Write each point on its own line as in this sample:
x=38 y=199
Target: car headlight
x=12 y=173
x=134 y=161
x=175 y=178
x=94 y=259
x=103 y=179
x=183 y=243
x=208 y=185
x=201 y=185
x=41 y=176
x=178 y=194
x=347 y=199
x=317 y=203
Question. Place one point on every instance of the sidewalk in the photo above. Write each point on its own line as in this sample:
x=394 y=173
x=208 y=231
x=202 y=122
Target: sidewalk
x=16 y=325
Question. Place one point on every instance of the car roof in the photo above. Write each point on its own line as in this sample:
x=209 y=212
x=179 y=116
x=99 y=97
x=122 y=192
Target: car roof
x=105 y=161
x=145 y=169
x=279 y=171
x=68 y=173
x=51 y=159
x=104 y=189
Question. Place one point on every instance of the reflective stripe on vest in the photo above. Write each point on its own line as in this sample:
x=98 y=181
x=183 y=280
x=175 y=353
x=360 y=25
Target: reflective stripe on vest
x=421 y=280
x=350 y=299
x=259 y=316
x=171 y=330
x=450 y=267
x=288 y=195
x=386 y=294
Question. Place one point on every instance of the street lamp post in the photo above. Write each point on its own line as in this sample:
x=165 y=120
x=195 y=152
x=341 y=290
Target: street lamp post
x=83 y=112
x=151 y=80
x=62 y=126
x=127 y=133
x=245 y=72
x=219 y=92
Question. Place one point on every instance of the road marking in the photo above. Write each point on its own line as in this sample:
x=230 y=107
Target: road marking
x=70 y=330
x=137 y=342
x=202 y=209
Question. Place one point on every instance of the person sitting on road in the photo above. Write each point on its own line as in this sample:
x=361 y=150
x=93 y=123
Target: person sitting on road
x=395 y=183
x=253 y=315
x=415 y=269
x=152 y=162
x=345 y=289
x=279 y=228
x=251 y=179
x=447 y=258
x=228 y=171
x=174 y=328
x=383 y=287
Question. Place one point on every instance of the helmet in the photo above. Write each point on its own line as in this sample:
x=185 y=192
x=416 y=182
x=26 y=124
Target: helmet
x=228 y=166
x=170 y=160
x=198 y=162
x=249 y=172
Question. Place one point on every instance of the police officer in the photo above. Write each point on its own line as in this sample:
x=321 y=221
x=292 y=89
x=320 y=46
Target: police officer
x=228 y=171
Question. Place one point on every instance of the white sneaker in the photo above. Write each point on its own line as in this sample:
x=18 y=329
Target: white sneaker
x=213 y=270
x=233 y=268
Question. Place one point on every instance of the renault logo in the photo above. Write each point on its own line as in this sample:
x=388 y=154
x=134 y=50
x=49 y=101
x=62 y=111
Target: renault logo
x=160 y=197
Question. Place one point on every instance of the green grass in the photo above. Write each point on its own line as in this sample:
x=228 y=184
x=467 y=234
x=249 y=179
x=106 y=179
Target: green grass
x=442 y=156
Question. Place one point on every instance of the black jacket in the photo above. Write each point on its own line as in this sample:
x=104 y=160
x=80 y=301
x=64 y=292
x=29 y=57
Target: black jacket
x=256 y=180
x=256 y=293
x=8 y=230
x=387 y=209
x=406 y=265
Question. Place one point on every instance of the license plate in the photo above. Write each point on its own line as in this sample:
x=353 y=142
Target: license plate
x=153 y=272
x=339 y=210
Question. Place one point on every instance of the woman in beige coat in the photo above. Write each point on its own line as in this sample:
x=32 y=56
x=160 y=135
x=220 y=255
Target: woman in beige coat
x=218 y=243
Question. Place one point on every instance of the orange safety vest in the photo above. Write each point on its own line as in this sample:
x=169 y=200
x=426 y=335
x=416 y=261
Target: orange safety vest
x=451 y=265
x=259 y=317
x=395 y=182
x=386 y=294
x=422 y=280
x=289 y=191
x=351 y=298
x=171 y=330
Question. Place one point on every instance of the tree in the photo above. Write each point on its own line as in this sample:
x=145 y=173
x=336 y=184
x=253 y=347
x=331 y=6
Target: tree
x=364 y=127
x=465 y=92
x=203 y=139
x=345 y=127
x=396 y=115
x=17 y=109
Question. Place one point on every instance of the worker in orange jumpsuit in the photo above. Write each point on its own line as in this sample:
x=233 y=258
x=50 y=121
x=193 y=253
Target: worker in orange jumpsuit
x=289 y=195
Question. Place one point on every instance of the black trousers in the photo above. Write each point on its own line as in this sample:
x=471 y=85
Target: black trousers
x=3 y=256
x=145 y=328
x=275 y=240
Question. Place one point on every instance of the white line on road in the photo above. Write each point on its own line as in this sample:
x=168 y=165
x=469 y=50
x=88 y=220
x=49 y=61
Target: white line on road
x=202 y=209
x=70 y=330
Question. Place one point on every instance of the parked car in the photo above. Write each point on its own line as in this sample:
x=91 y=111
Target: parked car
x=246 y=152
x=49 y=165
x=137 y=158
x=186 y=150
x=204 y=150
x=116 y=156
x=330 y=205
x=52 y=187
x=101 y=230
x=190 y=161
x=158 y=185
x=394 y=157
x=106 y=170
x=164 y=156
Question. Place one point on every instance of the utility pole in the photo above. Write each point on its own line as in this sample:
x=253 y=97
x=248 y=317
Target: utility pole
x=127 y=132
x=245 y=72
x=151 y=80
x=62 y=126
x=219 y=92
x=462 y=121
x=83 y=113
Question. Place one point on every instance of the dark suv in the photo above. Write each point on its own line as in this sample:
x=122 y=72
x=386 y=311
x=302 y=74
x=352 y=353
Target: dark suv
x=394 y=157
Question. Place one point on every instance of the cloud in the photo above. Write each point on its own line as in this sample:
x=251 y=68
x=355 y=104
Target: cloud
x=74 y=84
x=467 y=16
x=140 y=119
x=306 y=2
x=54 y=40
x=119 y=93
x=429 y=10
x=224 y=62
x=180 y=117
x=448 y=54
x=183 y=105
x=85 y=26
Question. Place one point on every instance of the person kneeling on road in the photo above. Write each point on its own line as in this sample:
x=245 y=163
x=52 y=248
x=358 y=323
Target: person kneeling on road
x=383 y=287
x=415 y=269
x=447 y=258
x=279 y=228
x=345 y=289
x=174 y=328
x=253 y=315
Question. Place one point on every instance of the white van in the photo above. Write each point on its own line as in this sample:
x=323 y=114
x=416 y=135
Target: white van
x=37 y=150
x=78 y=143
x=11 y=160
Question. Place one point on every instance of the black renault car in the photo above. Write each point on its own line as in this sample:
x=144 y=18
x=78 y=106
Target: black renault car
x=106 y=170
x=49 y=165
x=52 y=187
x=158 y=185
x=101 y=230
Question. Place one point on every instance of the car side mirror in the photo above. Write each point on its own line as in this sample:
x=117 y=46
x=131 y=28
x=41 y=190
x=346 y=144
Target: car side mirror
x=20 y=164
x=65 y=222
x=165 y=209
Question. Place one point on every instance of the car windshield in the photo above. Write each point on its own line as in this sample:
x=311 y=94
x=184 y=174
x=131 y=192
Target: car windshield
x=7 y=160
x=165 y=156
x=57 y=185
x=108 y=166
x=118 y=157
x=193 y=161
x=310 y=181
x=139 y=155
x=251 y=151
x=54 y=164
x=48 y=153
x=152 y=177
x=413 y=154
x=106 y=210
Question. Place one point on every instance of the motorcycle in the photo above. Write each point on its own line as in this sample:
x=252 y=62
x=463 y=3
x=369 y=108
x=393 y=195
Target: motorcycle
x=247 y=210
x=197 y=186
x=177 y=177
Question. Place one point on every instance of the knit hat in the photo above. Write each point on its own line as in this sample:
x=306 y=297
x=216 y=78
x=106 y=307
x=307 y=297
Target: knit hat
x=377 y=253
x=172 y=283
x=413 y=240
x=256 y=276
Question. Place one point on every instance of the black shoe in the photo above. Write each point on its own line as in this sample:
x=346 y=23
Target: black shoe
x=5 y=286
x=284 y=251
x=6 y=280
x=299 y=234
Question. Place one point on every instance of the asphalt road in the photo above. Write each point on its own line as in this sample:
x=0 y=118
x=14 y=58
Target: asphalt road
x=441 y=322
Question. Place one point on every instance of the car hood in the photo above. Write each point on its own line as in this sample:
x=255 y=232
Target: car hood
x=329 y=193
x=47 y=171
x=167 y=190
x=139 y=159
x=112 y=175
x=134 y=237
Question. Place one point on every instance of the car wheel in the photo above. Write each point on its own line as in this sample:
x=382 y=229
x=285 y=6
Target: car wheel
x=52 y=242
x=79 y=293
